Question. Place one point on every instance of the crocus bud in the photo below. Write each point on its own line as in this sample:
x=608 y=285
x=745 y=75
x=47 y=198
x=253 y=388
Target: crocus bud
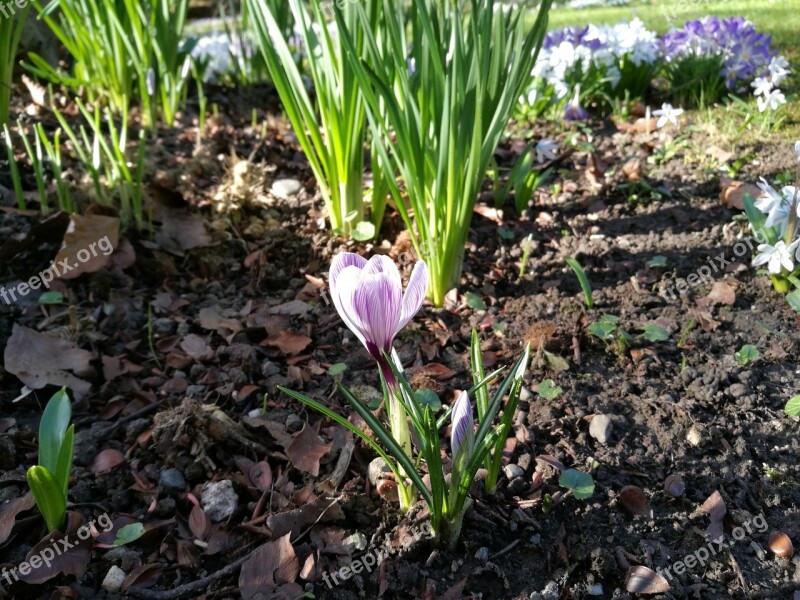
x=462 y=436
x=150 y=81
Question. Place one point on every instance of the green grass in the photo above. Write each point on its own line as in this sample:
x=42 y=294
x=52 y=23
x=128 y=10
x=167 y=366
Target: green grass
x=777 y=17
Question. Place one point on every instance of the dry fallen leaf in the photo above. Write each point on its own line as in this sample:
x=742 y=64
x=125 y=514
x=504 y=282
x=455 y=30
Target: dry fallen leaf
x=641 y=580
x=288 y=342
x=321 y=510
x=306 y=449
x=197 y=347
x=72 y=561
x=181 y=231
x=39 y=360
x=106 y=461
x=674 y=486
x=722 y=292
x=88 y=244
x=270 y=567
x=732 y=192
x=715 y=508
x=9 y=511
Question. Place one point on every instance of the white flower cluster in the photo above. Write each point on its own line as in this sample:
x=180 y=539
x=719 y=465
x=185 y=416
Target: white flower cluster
x=782 y=209
x=217 y=49
x=570 y=52
x=765 y=88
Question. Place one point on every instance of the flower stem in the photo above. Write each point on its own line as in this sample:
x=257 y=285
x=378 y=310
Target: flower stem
x=398 y=425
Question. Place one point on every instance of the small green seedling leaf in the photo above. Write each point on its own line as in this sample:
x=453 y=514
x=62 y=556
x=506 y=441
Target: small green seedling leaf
x=654 y=333
x=337 y=369
x=747 y=354
x=51 y=298
x=549 y=390
x=586 y=286
x=475 y=301
x=53 y=429
x=793 y=298
x=428 y=398
x=505 y=233
x=499 y=326
x=793 y=407
x=580 y=484
x=49 y=498
x=657 y=262
x=603 y=330
x=129 y=533
x=364 y=232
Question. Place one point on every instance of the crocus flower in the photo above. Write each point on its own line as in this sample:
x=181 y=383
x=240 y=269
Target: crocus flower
x=462 y=436
x=797 y=150
x=368 y=295
x=667 y=114
x=574 y=111
x=776 y=257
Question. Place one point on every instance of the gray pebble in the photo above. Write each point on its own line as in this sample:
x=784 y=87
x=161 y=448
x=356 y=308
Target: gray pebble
x=171 y=480
x=286 y=187
x=600 y=428
x=219 y=500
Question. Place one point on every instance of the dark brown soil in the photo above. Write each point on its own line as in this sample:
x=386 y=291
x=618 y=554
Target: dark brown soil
x=678 y=407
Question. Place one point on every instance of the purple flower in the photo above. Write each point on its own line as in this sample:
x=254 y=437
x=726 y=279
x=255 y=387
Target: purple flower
x=368 y=295
x=462 y=437
x=574 y=111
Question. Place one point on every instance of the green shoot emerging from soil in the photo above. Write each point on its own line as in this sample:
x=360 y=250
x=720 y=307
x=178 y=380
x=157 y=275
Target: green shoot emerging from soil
x=49 y=479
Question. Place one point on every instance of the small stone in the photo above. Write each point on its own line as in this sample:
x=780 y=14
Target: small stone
x=377 y=469
x=551 y=591
x=600 y=428
x=513 y=471
x=171 y=480
x=286 y=187
x=294 y=423
x=482 y=554
x=125 y=559
x=525 y=394
x=219 y=500
x=112 y=582
x=355 y=542
x=164 y=326
x=269 y=368
x=594 y=590
x=195 y=391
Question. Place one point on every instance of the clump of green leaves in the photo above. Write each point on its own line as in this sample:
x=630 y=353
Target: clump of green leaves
x=793 y=407
x=609 y=331
x=747 y=354
x=49 y=480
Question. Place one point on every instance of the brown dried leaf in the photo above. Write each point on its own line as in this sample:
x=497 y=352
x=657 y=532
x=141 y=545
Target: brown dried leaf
x=271 y=566
x=199 y=523
x=641 y=580
x=715 y=508
x=288 y=342
x=181 y=231
x=732 y=192
x=9 y=511
x=322 y=510
x=88 y=244
x=39 y=360
x=634 y=500
x=197 y=347
x=144 y=576
x=306 y=450
x=106 y=461
x=674 y=486
x=211 y=318
x=72 y=561
x=722 y=292
x=261 y=475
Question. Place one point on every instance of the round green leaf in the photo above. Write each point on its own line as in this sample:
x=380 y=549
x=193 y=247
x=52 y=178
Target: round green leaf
x=580 y=484
x=793 y=407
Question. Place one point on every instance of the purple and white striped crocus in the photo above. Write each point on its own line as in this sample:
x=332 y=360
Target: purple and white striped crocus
x=462 y=436
x=368 y=295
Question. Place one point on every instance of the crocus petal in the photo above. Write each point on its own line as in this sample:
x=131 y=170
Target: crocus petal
x=340 y=262
x=375 y=306
x=462 y=425
x=342 y=295
x=415 y=294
